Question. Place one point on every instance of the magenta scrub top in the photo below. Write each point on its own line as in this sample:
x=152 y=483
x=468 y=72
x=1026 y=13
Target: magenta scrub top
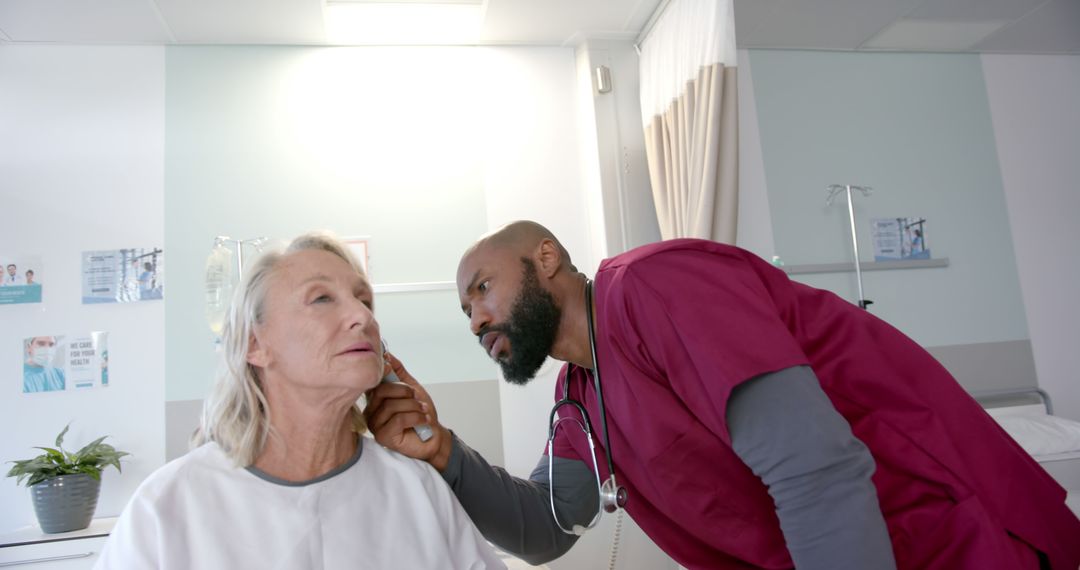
x=681 y=323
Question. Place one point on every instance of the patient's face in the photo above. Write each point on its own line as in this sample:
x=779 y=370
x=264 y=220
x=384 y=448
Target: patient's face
x=514 y=318
x=318 y=329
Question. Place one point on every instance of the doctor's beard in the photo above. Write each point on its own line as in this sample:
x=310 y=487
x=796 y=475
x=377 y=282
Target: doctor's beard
x=534 y=320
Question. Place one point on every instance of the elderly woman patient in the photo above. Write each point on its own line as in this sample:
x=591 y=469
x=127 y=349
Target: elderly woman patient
x=281 y=476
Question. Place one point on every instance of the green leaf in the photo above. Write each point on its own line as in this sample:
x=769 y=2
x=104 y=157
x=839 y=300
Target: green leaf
x=51 y=452
x=90 y=448
x=92 y=459
x=60 y=438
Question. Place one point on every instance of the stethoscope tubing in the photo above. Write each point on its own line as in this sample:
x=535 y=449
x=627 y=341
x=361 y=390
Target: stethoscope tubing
x=611 y=496
x=596 y=377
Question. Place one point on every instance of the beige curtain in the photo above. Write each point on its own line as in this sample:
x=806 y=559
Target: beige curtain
x=691 y=137
x=693 y=153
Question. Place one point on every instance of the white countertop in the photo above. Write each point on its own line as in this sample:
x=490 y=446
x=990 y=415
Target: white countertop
x=34 y=535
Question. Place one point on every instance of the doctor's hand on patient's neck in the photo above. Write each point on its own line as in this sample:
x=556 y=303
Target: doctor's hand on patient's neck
x=395 y=408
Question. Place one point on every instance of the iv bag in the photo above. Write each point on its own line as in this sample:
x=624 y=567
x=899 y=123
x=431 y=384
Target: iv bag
x=219 y=286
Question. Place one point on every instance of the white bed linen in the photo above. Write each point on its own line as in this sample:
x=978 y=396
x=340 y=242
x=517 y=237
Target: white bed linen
x=1052 y=441
x=1073 y=502
x=1040 y=434
x=1052 y=457
x=1043 y=435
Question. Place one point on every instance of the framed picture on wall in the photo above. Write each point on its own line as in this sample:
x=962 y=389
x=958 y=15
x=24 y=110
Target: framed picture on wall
x=359 y=247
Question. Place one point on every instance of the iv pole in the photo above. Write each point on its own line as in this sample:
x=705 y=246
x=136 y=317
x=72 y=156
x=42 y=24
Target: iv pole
x=240 y=243
x=834 y=190
x=219 y=285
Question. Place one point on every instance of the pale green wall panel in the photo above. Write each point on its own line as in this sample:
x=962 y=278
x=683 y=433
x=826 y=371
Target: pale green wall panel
x=917 y=128
x=276 y=141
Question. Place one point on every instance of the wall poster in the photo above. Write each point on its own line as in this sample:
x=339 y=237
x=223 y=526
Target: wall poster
x=61 y=363
x=123 y=275
x=20 y=280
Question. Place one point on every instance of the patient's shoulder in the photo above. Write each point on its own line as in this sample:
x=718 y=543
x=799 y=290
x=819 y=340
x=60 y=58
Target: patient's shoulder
x=187 y=472
x=385 y=459
x=388 y=457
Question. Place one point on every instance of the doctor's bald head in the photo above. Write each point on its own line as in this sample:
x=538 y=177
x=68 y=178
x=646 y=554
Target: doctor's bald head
x=522 y=239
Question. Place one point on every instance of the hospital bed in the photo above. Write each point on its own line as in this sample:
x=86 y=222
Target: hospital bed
x=1027 y=415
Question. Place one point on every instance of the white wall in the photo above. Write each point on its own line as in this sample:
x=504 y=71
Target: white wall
x=566 y=196
x=754 y=231
x=1037 y=130
x=81 y=157
x=614 y=145
x=388 y=143
x=916 y=127
x=550 y=193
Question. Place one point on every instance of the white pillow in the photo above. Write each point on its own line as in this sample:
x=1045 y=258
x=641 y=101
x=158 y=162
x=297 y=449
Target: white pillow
x=1023 y=410
x=1043 y=435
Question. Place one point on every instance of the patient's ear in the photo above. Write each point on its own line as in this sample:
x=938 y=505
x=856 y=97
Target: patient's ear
x=257 y=355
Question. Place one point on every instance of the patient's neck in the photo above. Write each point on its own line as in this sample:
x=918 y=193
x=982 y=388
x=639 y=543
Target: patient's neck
x=306 y=443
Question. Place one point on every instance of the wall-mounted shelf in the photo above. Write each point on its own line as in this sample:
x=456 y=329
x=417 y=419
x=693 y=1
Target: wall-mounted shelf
x=865 y=266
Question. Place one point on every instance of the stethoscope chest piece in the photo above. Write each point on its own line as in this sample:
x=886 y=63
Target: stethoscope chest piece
x=612 y=495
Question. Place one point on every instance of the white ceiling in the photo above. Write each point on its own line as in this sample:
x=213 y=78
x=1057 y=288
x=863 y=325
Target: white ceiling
x=989 y=26
x=996 y=26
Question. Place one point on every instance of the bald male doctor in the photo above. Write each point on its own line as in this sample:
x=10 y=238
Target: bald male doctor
x=749 y=420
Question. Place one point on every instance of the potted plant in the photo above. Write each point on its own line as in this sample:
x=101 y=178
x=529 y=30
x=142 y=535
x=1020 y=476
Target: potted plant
x=64 y=486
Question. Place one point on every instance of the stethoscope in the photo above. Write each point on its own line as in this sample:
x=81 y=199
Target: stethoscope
x=612 y=496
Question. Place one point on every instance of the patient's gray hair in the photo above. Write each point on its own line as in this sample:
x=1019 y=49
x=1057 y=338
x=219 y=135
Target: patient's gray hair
x=235 y=415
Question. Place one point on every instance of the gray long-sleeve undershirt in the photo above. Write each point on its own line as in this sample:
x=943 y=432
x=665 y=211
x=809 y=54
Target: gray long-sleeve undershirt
x=782 y=426
x=786 y=430
x=514 y=513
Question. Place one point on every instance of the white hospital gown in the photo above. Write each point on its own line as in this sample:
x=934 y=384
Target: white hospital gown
x=381 y=510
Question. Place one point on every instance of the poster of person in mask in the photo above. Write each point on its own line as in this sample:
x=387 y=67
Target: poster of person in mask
x=43 y=364
x=65 y=363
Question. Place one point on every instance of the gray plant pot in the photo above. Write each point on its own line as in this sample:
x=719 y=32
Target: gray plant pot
x=65 y=503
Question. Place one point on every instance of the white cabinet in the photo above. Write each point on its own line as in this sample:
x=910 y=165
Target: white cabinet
x=31 y=549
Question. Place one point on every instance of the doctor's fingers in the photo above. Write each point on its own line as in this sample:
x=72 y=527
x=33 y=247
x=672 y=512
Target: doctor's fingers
x=407 y=379
x=398 y=435
x=387 y=391
x=399 y=369
x=385 y=414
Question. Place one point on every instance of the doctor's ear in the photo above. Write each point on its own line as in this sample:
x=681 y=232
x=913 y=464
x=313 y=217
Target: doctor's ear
x=548 y=258
x=257 y=354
